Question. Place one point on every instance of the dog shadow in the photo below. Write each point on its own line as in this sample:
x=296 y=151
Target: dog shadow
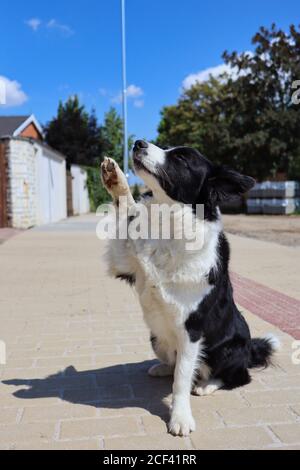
x=114 y=387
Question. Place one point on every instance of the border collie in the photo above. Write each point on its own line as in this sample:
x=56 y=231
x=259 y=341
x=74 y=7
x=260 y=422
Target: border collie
x=197 y=332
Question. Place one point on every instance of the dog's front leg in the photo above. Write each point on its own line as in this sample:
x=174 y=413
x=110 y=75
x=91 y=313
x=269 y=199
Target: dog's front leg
x=182 y=421
x=119 y=257
x=115 y=182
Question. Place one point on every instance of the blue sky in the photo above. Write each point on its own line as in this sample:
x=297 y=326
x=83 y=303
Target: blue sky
x=58 y=48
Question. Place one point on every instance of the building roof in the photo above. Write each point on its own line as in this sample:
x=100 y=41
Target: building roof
x=12 y=126
x=52 y=150
x=8 y=124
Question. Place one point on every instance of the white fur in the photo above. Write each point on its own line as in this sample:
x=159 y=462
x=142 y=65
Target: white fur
x=155 y=158
x=207 y=387
x=274 y=341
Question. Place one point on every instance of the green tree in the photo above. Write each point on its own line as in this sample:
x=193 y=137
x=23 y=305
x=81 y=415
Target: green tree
x=94 y=142
x=267 y=122
x=97 y=193
x=74 y=133
x=247 y=118
x=112 y=136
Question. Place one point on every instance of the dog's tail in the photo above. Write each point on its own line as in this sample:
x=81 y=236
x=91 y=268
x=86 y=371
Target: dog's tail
x=262 y=350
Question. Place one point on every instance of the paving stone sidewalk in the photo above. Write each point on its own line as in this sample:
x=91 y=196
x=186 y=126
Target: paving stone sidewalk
x=78 y=352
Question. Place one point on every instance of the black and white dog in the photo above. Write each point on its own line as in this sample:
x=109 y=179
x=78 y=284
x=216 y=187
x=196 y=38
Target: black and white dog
x=197 y=331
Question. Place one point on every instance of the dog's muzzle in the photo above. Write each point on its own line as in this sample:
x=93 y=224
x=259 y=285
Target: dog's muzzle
x=139 y=150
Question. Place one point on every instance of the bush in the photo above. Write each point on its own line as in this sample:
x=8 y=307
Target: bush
x=97 y=193
x=136 y=192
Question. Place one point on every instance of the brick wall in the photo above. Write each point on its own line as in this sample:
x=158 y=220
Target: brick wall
x=22 y=184
x=31 y=132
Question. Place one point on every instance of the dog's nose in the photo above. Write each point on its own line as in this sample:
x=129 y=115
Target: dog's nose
x=140 y=144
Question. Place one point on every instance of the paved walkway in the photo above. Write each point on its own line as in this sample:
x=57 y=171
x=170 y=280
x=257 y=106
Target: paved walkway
x=6 y=233
x=78 y=351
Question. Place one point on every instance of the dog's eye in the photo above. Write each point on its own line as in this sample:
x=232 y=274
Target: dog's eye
x=182 y=159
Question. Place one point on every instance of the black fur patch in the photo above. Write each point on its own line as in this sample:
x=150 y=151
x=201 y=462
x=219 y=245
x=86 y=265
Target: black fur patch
x=229 y=350
x=193 y=326
x=130 y=278
x=260 y=352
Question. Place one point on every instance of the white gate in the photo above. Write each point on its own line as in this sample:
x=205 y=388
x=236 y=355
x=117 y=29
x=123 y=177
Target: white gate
x=51 y=178
x=81 y=204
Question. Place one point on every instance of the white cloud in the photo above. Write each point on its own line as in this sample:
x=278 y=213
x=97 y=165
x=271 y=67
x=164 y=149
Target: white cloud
x=63 y=28
x=53 y=24
x=2 y=93
x=11 y=93
x=33 y=23
x=215 y=72
x=133 y=92
x=204 y=75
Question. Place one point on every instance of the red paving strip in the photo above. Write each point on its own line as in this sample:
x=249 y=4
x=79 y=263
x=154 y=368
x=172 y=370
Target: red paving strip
x=269 y=304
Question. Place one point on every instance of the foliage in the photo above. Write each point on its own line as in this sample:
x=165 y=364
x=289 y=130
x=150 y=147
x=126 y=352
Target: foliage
x=75 y=133
x=246 y=118
x=112 y=136
x=97 y=193
x=136 y=192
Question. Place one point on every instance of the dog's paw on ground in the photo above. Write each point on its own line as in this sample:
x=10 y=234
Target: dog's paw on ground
x=181 y=424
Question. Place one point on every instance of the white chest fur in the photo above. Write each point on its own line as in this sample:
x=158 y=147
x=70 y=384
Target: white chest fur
x=171 y=280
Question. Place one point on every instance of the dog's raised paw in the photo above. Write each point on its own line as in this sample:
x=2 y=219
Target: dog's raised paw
x=113 y=178
x=109 y=172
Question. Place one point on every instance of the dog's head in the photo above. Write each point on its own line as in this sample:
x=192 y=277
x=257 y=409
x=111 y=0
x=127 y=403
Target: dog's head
x=182 y=174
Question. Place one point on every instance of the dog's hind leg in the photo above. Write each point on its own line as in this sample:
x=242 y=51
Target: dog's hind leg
x=161 y=370
x=207 y=387
x=166 y=354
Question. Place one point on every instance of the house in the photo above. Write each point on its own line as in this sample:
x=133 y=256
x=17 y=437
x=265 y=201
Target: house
x=32 y=175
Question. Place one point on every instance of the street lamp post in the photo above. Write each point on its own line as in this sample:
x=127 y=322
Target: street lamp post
x=124 y=93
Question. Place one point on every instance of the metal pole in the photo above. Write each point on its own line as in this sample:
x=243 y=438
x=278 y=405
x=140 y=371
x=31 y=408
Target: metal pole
x=124 y=94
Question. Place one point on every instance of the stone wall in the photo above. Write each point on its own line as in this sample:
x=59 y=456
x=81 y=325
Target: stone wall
x=22 y=183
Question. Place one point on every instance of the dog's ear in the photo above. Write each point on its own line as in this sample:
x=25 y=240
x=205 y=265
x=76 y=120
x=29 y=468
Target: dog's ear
x=227 y=184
